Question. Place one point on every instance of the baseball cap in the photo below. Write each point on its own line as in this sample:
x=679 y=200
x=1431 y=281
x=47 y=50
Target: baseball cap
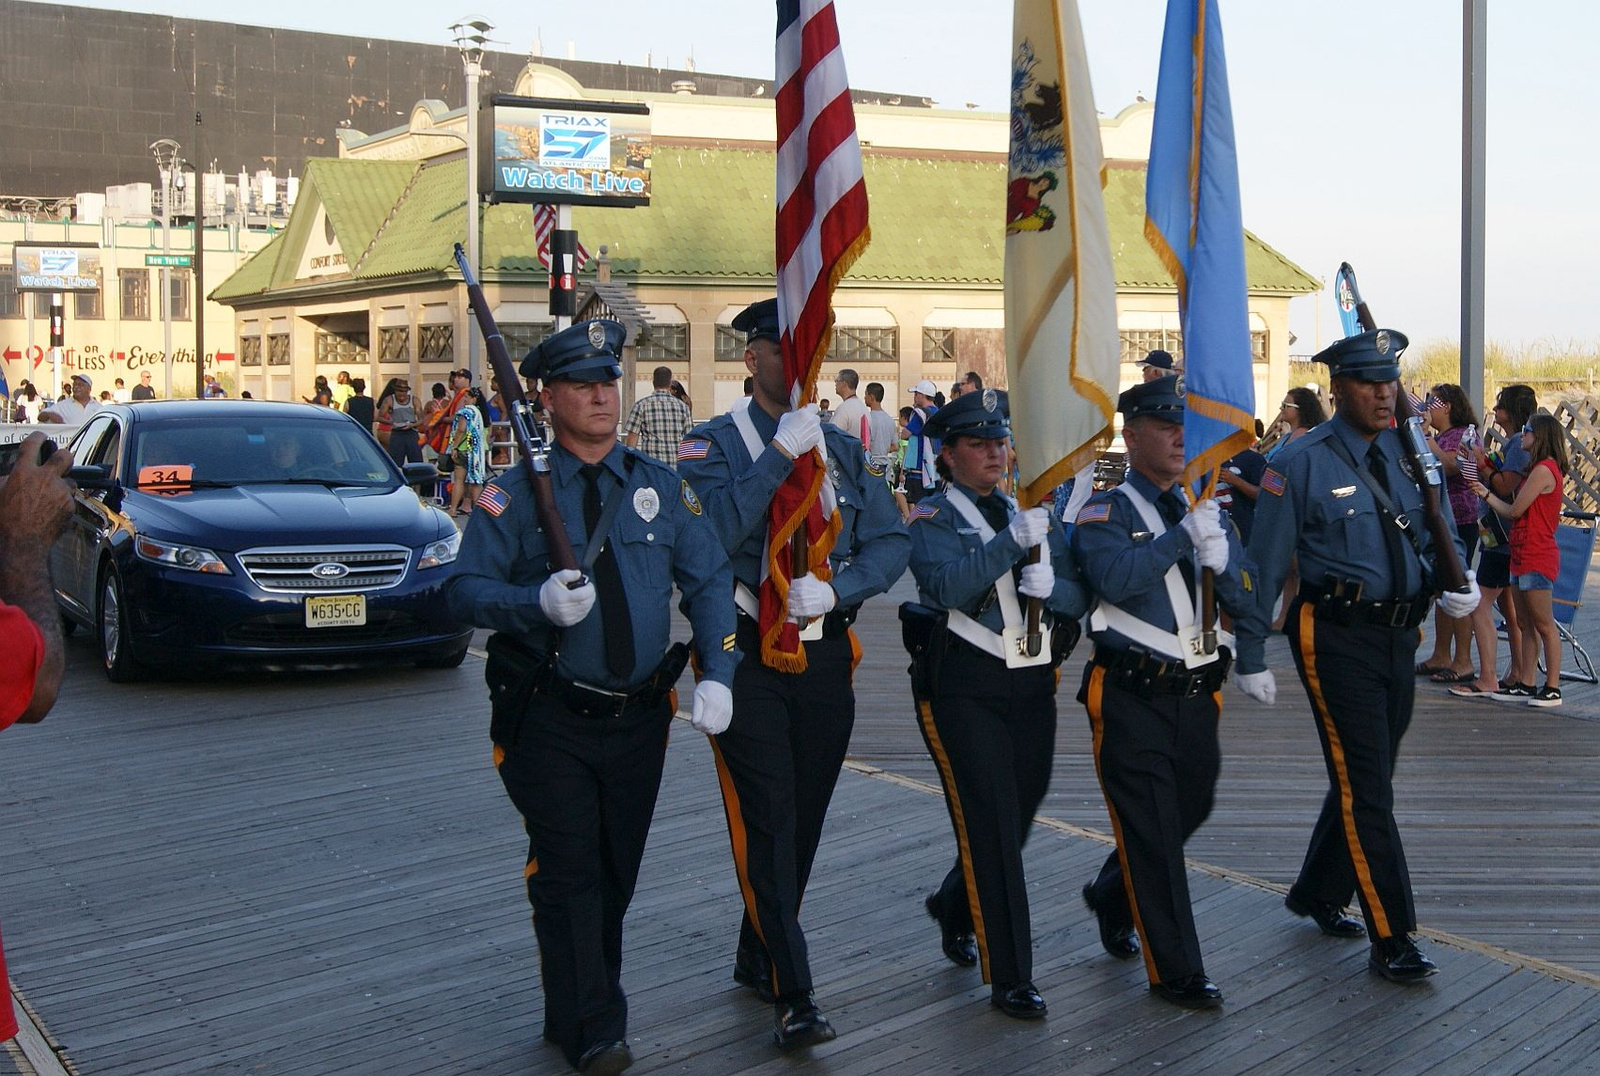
x=925 y=387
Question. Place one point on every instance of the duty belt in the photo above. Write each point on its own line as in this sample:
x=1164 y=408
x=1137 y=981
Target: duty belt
x=1340 y=603
x=587 y=700
x=1146 y=673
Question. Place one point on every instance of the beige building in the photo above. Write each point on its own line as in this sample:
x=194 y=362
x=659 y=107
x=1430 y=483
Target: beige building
x=362 y=279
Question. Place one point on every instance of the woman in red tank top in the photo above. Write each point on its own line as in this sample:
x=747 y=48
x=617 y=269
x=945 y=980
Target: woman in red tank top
x=1535 y=559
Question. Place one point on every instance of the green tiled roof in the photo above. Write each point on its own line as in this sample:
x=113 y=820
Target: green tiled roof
x=934 y=222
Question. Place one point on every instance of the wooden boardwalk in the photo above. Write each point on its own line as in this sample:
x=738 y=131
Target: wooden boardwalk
x=320 y=874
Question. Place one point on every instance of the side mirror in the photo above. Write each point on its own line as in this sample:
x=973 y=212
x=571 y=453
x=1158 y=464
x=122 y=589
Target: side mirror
x=92 y=476
x=418 y=473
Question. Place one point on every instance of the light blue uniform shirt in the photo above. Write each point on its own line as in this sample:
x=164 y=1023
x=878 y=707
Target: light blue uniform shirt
x=955 y=567
x=871 y=550
x=505 y=558
x=1126 y=563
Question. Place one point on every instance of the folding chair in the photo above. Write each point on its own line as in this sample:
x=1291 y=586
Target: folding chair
x=1575 y=539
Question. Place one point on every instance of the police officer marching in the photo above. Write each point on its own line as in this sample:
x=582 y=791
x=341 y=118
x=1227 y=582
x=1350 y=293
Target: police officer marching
x=1153 y=693
x=1340 y=500
x=985 y=704
x=581 y=675
x=779 y=758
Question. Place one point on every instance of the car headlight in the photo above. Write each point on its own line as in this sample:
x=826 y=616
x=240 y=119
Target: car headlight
x=441 y=552
x=187 y=557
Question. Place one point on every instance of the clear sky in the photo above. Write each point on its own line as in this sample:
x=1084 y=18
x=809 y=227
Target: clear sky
x=1347 y=116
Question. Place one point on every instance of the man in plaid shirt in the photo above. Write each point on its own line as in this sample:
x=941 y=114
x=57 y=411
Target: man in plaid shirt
x=658 y=421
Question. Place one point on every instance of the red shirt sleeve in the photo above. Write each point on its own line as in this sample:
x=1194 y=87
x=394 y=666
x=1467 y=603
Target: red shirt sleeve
x=21 y=654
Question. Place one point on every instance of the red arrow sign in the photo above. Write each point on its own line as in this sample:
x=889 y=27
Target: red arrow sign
x=11 y=353
x=224 y=356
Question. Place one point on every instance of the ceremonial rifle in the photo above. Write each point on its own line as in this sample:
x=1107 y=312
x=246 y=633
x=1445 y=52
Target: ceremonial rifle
x=524 y=427
x=1424 y=464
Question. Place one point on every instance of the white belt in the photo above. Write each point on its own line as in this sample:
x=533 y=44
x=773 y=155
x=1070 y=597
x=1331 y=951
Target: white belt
x=750 y=605
x=1182 y=645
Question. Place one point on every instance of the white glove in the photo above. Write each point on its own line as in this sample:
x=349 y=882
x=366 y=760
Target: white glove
x=1038 y=581
x=798 y=431
x=713 y=707
x=1261 y=686
x=1028 y=528
x=1213 y=553
x=1461 y=603
x=563 y=605
x=1203 y=521
x=810 y=596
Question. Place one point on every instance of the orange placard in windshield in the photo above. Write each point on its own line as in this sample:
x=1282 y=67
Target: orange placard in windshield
x=166 y=479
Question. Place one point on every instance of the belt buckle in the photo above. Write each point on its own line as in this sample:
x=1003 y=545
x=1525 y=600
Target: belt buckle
x=1400 y=614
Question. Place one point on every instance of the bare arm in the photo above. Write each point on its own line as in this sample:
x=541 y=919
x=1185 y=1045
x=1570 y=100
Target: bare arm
x=35 y=505
x=1540 y=482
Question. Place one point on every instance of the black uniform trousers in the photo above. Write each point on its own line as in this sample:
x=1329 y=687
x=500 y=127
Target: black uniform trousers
x=1158 y=758
x=778 y=762
x=586 y=788
x=1361 y=682
x=992 y=733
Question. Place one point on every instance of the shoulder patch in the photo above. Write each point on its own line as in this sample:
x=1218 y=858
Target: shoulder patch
x=921 y=511
x=690 y=501
x=875 y=471
x=1094 y=513
x=1272 y=482
x=493 y=499
x=693 y=448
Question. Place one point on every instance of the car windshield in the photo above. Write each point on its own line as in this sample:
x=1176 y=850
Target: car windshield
x=210 y=452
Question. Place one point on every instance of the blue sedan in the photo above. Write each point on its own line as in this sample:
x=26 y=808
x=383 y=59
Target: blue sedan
x=272 y=535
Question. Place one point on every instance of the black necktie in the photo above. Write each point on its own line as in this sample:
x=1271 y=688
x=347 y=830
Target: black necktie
x=998 y=515
x=1170 y=505
x=1391 y=532
x=614 y=619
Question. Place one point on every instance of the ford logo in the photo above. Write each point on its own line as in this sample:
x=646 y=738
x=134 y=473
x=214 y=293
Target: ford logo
x=330 y=570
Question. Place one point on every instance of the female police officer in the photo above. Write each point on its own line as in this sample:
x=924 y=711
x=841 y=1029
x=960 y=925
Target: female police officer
x=987 y=709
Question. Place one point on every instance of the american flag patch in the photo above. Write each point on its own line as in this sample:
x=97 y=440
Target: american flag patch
x=493 y=500
x=693 y=449
x=1272 y=482
x=921 y=511
x=1094 y=513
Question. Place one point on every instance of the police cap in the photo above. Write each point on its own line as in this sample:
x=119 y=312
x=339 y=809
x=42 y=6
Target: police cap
x=759 y=321
x=984 y=414
x=588 y=351
x=1159 y=360
x=1161 y=398
x=1368 y=356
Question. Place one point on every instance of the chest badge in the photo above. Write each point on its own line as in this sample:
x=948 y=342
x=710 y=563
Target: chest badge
x=646 y=503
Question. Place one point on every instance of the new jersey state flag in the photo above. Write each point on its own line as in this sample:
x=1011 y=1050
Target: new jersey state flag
x=1062 y=348
x=1193 y=220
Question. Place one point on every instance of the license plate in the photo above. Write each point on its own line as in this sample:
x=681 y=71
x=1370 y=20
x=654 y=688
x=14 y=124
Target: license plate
x=336 y=610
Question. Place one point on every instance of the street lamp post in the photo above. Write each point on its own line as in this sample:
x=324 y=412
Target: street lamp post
x=471 y=35
x=166 y=155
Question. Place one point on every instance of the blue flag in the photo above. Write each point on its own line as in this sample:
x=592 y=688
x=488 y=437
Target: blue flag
x=1193 y=220
x=5 y=389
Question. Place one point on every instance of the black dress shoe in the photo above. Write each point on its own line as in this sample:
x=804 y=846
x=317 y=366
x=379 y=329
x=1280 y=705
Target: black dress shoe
x=752 y=970
x=1193 y=992
x=605 y=1059
x=1333 y=920
x=960 y=947
x=798 y=1023
x=1018 y=1000
x=1398 y=960
x=1120 y=942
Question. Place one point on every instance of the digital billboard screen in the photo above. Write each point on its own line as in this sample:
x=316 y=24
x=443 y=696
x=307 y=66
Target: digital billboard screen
x=581 y=152
x=53 y=267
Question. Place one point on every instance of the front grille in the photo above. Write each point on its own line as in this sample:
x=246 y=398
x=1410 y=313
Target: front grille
x=288 y=631
x=293 y=571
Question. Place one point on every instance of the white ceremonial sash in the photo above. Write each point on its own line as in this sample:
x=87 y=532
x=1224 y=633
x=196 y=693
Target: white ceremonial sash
x=1009 y=645
x=1184 y=644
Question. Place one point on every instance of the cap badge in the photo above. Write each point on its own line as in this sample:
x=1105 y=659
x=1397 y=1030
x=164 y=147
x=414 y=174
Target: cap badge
x=1381 y=342
x=646 y=503
x=991 y=399
x=597 y=336
x=1179 y=388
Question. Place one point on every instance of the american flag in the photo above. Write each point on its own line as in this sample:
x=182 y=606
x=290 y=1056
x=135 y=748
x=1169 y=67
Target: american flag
x=821 y=230
x=544 y=222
